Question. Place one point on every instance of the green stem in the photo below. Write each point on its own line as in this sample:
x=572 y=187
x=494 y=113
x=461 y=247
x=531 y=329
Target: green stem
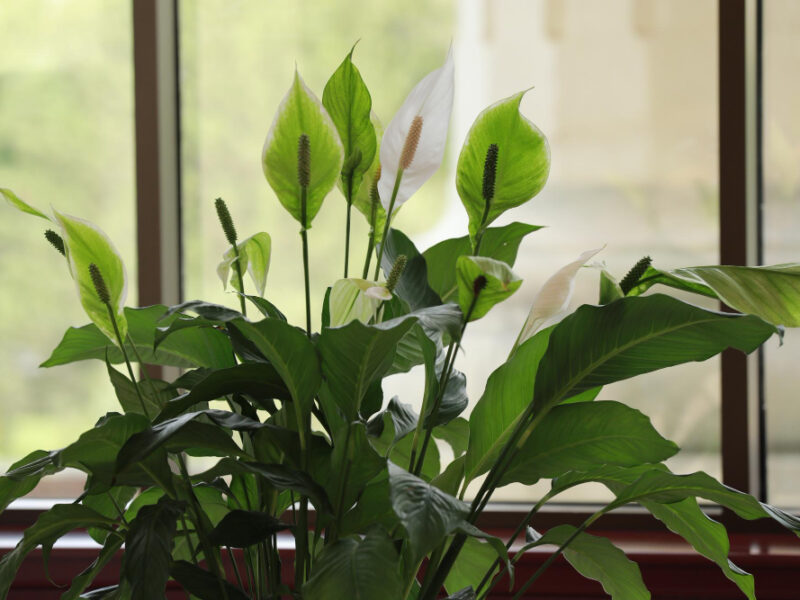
x=304 y=237
x=120 y=512
x=342 y=488
x=237 y=266
x=388 y=221
x=113 y=318
x=349 y=198
x=235 y=568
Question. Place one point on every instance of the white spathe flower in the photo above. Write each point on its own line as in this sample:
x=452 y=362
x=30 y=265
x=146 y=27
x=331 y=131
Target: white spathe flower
x=426 y=115
x=552 y=301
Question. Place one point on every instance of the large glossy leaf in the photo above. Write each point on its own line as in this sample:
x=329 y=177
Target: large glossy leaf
x=361 y=569
x=301 y=113
x=523 y=162
x=148 y=549
x=349 y=105
x=509 y=391
x=455 y=433
x=475 y=558
x=597 y=558
x=81 y=581
x=499 y=283
x=50 y=526
x=202 y=584
x=356 y=355
x=426 y=513
x=86 y=244
x=260 y=380
x=772 y=292
x=499 y=243
x=154 y=393
x=597 y=345
x=291 y=353
x=585 y=435
x=353 y=464
x=195 y=347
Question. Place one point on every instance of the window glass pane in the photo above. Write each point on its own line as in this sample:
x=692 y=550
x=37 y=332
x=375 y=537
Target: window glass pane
x=625 y=91
x=66 y=139
x=781 y=241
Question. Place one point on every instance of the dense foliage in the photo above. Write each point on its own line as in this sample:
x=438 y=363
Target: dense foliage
x=305 y=423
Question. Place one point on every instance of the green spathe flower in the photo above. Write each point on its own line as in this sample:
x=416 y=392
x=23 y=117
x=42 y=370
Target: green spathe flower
x=521 y=162
x=254 y=257
x=482 y=283
x=87 y=244
x=355 y=299
x=415 y=139
x=302 y=114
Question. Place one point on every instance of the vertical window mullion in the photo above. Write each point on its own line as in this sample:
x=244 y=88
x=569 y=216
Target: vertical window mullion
x=742 y=463
x=157 y=151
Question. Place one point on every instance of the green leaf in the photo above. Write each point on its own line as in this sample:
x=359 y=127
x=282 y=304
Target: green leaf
x=242 y=528
x=609 y=288
x=361 y=569
x=196 y=347
x=597 y=345
x=772 y=293
x=15 y=201
x=106 y=504
x=353 y=464
x=665 y=487
x=499 y=243
x=356 y=355
x=509 y=391
x=142 y=444
x=449 y=480
x=653 y=276
x=86 y=244
x=413 y=283
x=259 y=380
x=148 y=548
x=706 y=536
x=254 y=257
x=301 y=113
x=523 y=162
x=291 y=353
x=155 y=393
x=202 y=584
x=266 y=308
x=455 y=433
x=426 y=512
x=50 y=526
x=349 y=105
x=454 y=399
x=466 y=594
x=473 y=561
x=500 y=280
x=582 y=436
x=25 y=474
x=597 y=558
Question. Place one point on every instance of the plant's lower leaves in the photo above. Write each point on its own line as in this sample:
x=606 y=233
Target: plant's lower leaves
x=356 y=568
x=195 y=347
x=353 y=464
x=242 y=528
x=577 y=437
x=597 y=345
x=427 y=514
x=374 y=507
x=106 y=504
x=482 y=549
x=49 y=527
x=148 y=549
x=499 y=243
x=260 y=380
x=597 y=558
x=202 y=584
x=413 y=283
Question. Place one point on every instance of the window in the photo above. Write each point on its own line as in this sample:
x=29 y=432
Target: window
x=626 y=91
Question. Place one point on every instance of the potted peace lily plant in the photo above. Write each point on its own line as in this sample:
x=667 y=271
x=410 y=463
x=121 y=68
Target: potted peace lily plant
x=306 y=423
